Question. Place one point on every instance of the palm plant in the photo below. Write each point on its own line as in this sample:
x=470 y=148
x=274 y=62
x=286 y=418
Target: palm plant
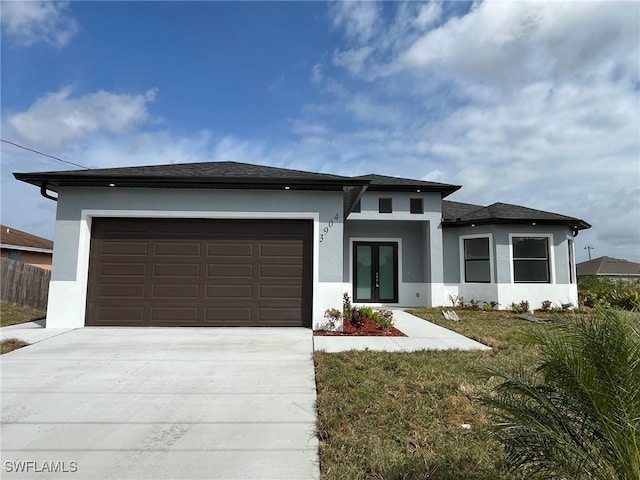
x=577 y=415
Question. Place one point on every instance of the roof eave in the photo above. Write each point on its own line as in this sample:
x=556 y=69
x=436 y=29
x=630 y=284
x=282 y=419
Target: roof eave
x=576 y=224
x=57 y=181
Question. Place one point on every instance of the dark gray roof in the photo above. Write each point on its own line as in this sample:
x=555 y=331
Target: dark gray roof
x=608 y=266
x=383 y=182
x=222 y=175
x=464 y=214
x=194 y=175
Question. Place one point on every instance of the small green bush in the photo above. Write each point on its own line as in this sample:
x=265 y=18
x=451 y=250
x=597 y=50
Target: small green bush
x=546 y=305
x=366 y=311
x=357 y=319
x=521 y=307
x=384 y=319
x=603 y=292
x=333 y=315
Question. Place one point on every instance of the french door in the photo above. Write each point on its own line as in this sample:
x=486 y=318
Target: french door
x=375 y=272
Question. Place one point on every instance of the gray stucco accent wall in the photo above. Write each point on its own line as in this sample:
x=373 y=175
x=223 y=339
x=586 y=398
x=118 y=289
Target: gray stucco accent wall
x=326 y=204
x=501 y=249
x=414 y=244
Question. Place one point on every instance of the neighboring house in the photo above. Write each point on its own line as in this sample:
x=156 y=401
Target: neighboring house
x=227 y=244
x=25 y=247
x=609 y=267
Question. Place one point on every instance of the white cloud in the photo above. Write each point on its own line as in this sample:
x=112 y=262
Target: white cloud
x=534 y=103
x=528 y=41
x=357 y=18
x=29 y=22
x=58 y=118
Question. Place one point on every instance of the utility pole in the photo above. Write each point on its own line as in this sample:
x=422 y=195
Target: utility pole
x=588 y=248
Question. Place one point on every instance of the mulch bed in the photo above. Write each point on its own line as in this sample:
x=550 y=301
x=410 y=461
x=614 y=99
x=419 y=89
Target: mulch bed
x=369 y=329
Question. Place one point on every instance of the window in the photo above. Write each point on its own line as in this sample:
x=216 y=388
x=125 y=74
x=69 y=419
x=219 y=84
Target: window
x=477 y=267
x=357 y=208
x=570 y=246
x=531 y=260
x=385 y=205
x=416 y=205
x=15 y=255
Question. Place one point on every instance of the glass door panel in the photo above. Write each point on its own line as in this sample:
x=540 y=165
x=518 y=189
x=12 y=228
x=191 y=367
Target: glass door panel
x=386 y=274
x=363 y=272
x=375 y=269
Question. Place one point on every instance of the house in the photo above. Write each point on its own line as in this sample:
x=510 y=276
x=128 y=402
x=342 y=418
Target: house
x=609 y=267
x=235 y=244
x=25 y=247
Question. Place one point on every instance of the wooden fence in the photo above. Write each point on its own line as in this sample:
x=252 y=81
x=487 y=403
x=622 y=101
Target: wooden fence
x=24 y=284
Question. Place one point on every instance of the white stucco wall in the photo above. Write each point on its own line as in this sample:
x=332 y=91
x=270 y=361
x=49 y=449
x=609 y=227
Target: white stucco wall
x=502 y=288
x=78 y=206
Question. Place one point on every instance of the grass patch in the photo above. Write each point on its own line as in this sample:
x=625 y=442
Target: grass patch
x=11 y=344
x=392 y=416
x=14 y=314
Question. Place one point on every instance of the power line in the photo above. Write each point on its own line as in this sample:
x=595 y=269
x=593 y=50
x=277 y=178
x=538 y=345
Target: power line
x=43 y=154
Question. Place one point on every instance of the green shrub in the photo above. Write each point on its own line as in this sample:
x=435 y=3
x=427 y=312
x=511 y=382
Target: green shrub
x=546 y=305
x=384 y=319
x=521 y=307
x=366 y=311
x=346 y=306
x=333 y=315
x=603 y=292
x=577 y=415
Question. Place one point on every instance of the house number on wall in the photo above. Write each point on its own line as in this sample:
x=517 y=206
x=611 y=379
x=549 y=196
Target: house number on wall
x=325 y=230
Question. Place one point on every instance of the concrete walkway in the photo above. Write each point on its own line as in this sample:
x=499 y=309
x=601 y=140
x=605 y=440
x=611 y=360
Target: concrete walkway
x=421 y=335
x=161 y=403
x=31 y=332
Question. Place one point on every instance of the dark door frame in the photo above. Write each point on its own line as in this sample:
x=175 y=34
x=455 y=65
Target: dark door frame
x=374 y=270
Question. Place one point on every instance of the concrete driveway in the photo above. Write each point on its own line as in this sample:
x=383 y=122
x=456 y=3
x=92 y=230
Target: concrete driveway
x=152 y=403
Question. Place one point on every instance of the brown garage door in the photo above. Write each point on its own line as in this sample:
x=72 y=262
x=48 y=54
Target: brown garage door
x=196 y=272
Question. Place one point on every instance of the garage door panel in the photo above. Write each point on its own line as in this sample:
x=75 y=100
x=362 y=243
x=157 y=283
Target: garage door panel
x=279 y=270
x=121 y=291
x=281 y=250
x=285 y=292
x=122 y=269
x=237 y=249
x=124 y=248
x=243 y=291
x=177 y=270
x=200 y=272
x=175 y=290
x=173 y=314
x=177 y=249
x=229 y=270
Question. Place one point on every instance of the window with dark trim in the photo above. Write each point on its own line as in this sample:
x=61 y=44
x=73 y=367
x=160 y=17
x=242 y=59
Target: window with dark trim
x=15 y=255
x=357 y=207
x=385 y=205
x=477 y=267
x=416 y=205
x=531 y=260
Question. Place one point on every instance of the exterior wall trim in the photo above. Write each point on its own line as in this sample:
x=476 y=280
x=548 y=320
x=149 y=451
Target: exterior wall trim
x=552 y=260
x=84 y=242
x=492 y=275
x=375 y=239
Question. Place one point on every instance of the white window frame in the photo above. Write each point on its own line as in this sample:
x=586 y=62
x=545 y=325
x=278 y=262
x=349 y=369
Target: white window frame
x=571 y=244
x=552 y=262
x=463 y=276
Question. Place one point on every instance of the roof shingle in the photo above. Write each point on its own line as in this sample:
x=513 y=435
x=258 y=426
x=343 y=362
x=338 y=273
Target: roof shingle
x=13 y=236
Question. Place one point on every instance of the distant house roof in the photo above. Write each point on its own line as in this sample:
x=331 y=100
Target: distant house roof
x=608 y=266
x=18 y=240
x=221 y=175
x=466 y=214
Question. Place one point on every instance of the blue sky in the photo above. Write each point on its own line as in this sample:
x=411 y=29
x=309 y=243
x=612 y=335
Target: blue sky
x=529 y=103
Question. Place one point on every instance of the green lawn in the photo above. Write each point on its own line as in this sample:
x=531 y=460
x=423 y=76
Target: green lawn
x=399 y=415
x=13 y=314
